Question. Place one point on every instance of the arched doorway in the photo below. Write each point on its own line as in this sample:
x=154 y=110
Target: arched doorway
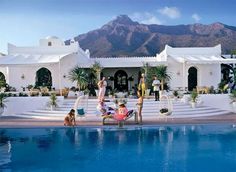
x=2 y=80
x=43 y=78
x=121 y=80
x=226 y=70
x=192 y=78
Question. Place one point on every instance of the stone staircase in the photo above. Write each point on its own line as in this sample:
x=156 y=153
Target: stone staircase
x=150 y=110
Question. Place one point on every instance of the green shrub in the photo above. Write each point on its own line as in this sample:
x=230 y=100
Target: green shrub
x=194 y=95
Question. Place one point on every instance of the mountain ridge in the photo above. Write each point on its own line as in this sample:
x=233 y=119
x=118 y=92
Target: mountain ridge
x=125 y=37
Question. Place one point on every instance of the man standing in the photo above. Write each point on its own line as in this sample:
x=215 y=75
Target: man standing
x=156 y=87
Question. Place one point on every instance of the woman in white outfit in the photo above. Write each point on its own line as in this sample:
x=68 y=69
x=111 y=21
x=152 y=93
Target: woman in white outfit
x=102 y=84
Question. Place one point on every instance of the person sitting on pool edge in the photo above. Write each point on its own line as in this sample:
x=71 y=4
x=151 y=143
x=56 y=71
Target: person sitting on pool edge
x=70 y=118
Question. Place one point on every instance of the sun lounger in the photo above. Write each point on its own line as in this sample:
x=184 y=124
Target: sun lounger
x=120 y=120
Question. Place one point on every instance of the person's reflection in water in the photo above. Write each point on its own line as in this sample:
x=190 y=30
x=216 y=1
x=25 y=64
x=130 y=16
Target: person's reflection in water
x=166 y=134
x=71 y=134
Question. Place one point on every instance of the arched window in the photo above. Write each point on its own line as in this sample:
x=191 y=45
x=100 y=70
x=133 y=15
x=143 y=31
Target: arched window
x=2 y=80
x=43 y=78
x=49 y=43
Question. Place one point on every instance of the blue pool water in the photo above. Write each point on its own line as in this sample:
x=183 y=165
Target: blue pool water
x=163 y=148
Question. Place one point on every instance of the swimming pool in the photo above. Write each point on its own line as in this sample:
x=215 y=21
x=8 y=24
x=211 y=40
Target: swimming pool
x=162 y=148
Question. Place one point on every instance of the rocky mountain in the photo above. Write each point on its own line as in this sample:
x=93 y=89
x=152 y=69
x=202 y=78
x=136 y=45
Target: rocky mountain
x=124 y=37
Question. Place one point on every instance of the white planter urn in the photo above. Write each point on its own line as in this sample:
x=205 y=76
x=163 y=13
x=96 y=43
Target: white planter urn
x=52 y=107
x=161 y=93
x=193 y=104
x=96 y=91
x=186 y=99
x=147 y=92
x=234 y=106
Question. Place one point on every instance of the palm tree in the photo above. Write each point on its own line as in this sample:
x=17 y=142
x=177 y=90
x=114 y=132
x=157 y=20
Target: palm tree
x=162 y=74
x=149 y=72
x=97 y=68
x=79 y=75
x=145 y=67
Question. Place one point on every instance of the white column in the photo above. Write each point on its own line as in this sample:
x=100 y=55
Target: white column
x=59 y=78
x=184 y=75
x=7 y=76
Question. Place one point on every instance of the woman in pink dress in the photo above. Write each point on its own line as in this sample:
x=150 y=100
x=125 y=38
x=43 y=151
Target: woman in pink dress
x=102 y=84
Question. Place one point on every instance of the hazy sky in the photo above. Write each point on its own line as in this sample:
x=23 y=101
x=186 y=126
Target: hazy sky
x=24 y=22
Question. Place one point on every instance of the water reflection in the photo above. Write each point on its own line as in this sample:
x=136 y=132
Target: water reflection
x=168 y=147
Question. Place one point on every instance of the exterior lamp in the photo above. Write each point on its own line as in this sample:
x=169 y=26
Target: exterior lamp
x=211 y=73
x=64 y=76
x=22 y=76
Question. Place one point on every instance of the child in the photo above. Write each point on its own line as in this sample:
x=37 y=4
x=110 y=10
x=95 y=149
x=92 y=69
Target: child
x=139 y=106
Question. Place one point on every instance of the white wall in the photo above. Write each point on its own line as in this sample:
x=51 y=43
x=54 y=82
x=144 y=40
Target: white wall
x=67 y=63
x=209 y=75
x=175 y=70
x=54 y=42
x=57 y=48
x=18 y=105
x=29 y=72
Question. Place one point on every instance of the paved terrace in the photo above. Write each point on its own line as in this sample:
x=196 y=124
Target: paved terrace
x=182 y=114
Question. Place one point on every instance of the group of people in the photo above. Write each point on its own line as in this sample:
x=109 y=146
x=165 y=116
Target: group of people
x=156 y=86
x=120 y=112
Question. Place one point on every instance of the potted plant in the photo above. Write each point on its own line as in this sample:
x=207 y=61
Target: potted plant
x=53 y=101
x=194 y=96
x=29 y=87
x=162 y=75
x=2 y=102
x=97 y=68
x=175 y=94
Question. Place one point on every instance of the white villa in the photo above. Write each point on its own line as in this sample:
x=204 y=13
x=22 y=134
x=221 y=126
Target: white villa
x=20 y=67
